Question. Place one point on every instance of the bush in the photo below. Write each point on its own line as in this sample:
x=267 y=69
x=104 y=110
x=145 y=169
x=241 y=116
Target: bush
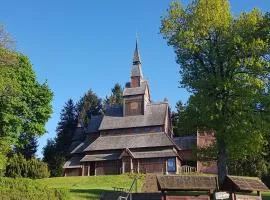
x=27 y=189
x=19 y=167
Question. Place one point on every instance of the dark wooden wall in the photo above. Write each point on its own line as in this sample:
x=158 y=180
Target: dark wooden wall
x=108 y=167
x=151 y=165
x=73 y=172
x=199 y=197
x=134 y=105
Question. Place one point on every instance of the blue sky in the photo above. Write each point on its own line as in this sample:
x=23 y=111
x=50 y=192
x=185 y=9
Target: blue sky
x=89 y=44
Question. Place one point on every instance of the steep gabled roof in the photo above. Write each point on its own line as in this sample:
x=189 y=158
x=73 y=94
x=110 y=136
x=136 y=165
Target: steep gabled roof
x=82 y=145
x=130 y=141
x=73 y=162
x=155 y=114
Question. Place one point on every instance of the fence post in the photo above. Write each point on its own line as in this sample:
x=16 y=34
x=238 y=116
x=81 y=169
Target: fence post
x=136 y=186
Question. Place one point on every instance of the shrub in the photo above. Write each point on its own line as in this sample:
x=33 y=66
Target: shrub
x=27 y=189
x=19 y=167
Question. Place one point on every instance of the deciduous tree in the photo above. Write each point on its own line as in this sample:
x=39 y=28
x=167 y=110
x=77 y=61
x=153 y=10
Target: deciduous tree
x=224 y=64
x=25 y=104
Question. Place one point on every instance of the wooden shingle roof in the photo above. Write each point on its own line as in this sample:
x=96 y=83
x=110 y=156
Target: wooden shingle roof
x=136 y=90
x=130 y=141
x=73 y=162
x=179 y=182
x=100 y=157
x=154 y=115
x=238 y=183
x=154 y=154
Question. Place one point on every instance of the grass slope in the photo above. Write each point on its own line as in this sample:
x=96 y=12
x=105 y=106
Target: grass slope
x=90 y=187
x=27 y=189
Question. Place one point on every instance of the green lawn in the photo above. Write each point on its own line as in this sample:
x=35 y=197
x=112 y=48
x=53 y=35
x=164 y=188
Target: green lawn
x=90 y=187
x=266 y=196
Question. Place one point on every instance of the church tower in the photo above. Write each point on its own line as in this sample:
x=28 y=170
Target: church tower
x=136 y=94
x=136 y=71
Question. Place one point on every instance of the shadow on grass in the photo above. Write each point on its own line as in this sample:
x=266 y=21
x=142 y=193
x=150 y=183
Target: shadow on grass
x=93 y=194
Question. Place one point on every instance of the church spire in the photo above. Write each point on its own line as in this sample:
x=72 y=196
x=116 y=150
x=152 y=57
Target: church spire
x=136 y=57
x=136 y=71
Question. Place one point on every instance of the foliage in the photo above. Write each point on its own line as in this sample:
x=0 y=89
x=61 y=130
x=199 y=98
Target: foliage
x=224 y=63
x=180 y=120
x=89 y=104
x=66 y=127
x=116 y=97
x=53 y=158
x=251 y=166
x=57 y=151
x=25 y=104
x=26 y=189
x=27 y=145
x=18 y=167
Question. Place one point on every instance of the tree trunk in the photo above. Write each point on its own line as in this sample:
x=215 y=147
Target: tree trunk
x=222 y=163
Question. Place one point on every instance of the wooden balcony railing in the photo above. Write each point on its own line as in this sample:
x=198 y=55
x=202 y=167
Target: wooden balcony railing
x=187 y=169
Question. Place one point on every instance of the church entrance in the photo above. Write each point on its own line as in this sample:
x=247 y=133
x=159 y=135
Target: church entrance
x=92 y=168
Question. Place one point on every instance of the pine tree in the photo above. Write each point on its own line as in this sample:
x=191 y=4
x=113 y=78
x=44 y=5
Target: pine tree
x=56 y=152
x=116 y=97
x=89 y=104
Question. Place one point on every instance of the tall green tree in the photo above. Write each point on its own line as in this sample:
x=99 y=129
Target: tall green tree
x=53 y=158
x=56 y=152
x=224 y=64
x=89 y=104
x=25 y=104
x=180 y=119
x=27 y=145
x=116 y=97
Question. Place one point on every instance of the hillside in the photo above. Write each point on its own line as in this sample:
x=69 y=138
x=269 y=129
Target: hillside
x=73 y=188
x=90 y=187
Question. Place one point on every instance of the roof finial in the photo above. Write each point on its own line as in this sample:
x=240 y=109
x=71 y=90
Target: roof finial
x=136 y=57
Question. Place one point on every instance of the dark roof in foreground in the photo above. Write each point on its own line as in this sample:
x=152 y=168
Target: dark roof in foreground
x=154 y=115
x=179 y=182
x=73 y=162
x=245 y=183
x=101 y=157
x=130 y=141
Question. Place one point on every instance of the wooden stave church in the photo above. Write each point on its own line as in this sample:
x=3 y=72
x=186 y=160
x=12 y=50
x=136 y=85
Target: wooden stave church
x=136 y=137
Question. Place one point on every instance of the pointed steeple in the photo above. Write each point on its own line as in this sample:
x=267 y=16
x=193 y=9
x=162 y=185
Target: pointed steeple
x=136 y=57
